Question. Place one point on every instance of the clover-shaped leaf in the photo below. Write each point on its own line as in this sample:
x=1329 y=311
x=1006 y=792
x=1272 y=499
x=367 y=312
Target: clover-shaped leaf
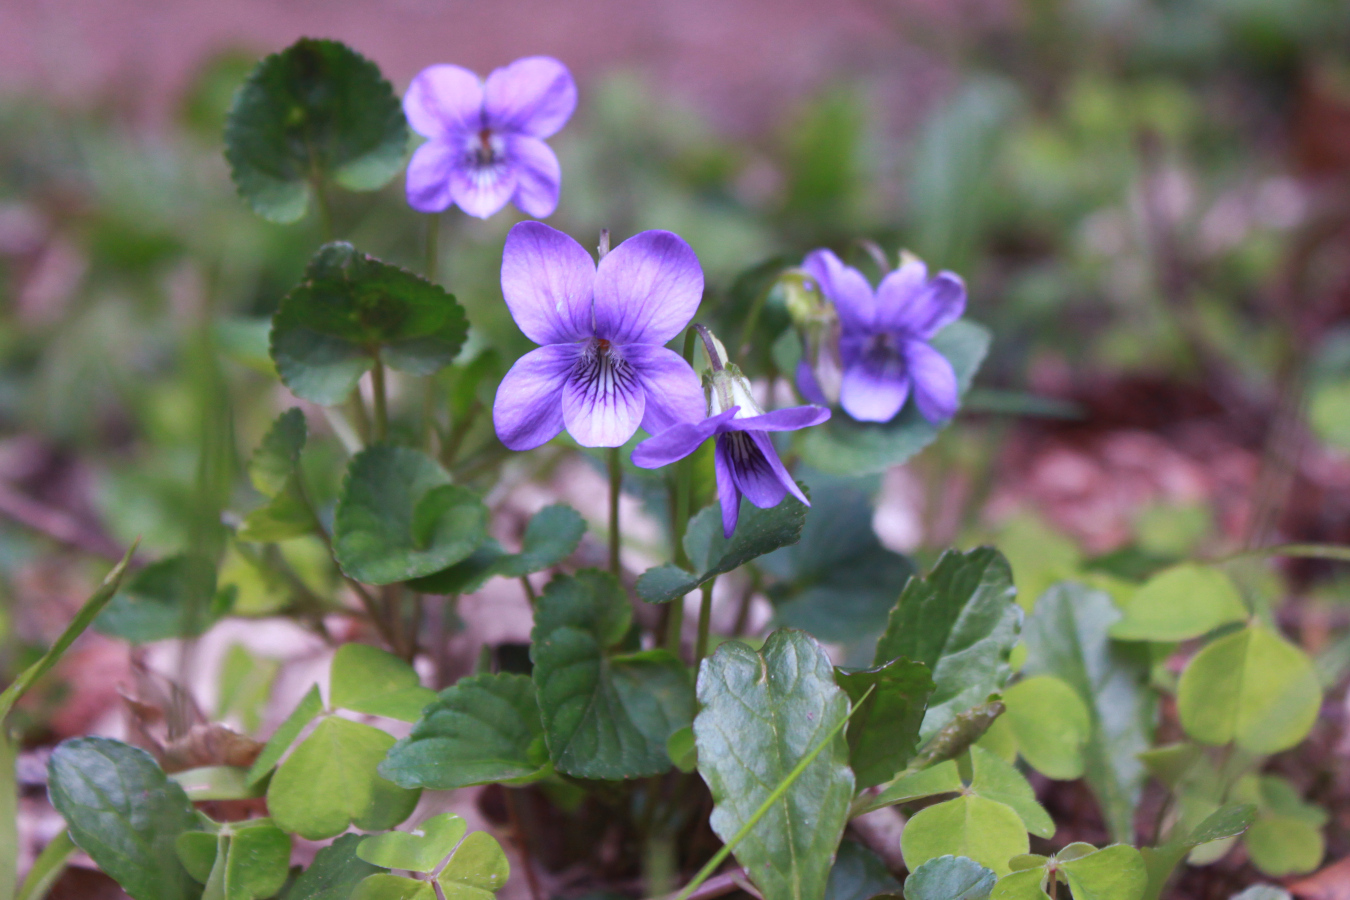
x=760 y=531
x=383 y=886
x=352 y=310
x=243 y=861
x=399 y=517
x=477 y=870
x=551 y=536
x=1180 y=603
x=1051 y=724
x=309 y=706
x=422 y=850
x=370 y=680
x=335 y=872
x=984 y=830
x=316 y=111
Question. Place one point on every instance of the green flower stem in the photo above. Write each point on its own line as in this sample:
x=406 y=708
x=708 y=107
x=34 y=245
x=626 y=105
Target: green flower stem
x=704 y=620
x=433 y=248
x=615 y=485
x=529 y=591
x=359 y=416
x=49 y=865
x=675 y=625
x=679 y=520
x=380 y=393
x=720 y=856
x=325 y=210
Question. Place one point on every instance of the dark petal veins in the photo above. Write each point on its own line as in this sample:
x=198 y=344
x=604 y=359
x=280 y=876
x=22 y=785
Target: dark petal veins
x=604 y=401
x=754 y=476
x=727 y=493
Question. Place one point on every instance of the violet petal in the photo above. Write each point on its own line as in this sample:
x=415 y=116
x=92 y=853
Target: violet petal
x=919 y=308
x=755 y=478
x=807 y=385
x=780 y=471
x=535 y=96
x=528 y=409
x=538 y=175
x=603 y=400
x=727 y=493
x=647 y=289
x=547 y=280
x=674 y=394
x=935 y=389
x=482 y=190
x=429 y=173
x=444 y=99
x=677 y=442
x=789 y=419
x=844 y=286
x=873 y=393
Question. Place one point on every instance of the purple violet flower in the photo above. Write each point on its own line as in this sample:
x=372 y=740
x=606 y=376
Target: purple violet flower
x=744 y=457
x=602 y=370
x=485 y=142
x=884 y=341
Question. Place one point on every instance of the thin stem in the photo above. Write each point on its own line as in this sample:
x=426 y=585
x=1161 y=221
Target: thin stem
x=513 y=811
x=379 y=392
x=704 y=621
x=1304 y=551
x=433 y=248
x=359 y=415
x=615 y=485
x=709 y=345
x=675 y=625
x=529 y=591
x=324 y=209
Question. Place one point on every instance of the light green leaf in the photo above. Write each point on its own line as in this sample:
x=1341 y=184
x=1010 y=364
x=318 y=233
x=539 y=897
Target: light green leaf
x=950 y=878
x=553 y=534
x=369 y=680
x=759 y=531
x=316 y=111
x=309 y=706
x=995 y=779
x=682 y=750
x=276 y=459
x=197 y=852
x=943 y=778
x=885 y=725
x=483 y=729
x=1225 y=822
x=605 y=715
x=393 y=887
x=335 y=872
x=285 y=516
x=761 y=713
x=961 y=621
x=1282 y=844
x=248 y=860
x=1180 y=603
x=858 y=874
x=1027 y=884
x=329 y=782
x=1067 y=635
x=477 y=870
x=1252 y=687
x=123 y=812
x=988 y=832
x=1112 y=873
x=352 y=310
x=171 y=598
x=1051 y=724
x=398 y=517
x=422 y=850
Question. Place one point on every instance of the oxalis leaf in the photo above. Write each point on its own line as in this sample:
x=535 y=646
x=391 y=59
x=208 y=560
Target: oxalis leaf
x=422 y=850
x=762 y=713
x=1051 y=724
x=244 y=861
x=316 y=111
x=845 y=447
x=885 y=727
x=476 y=871
x=352 y=310
x=369 y=680
x=125 y=813
x=961 y=621
x=399 y=517
x=760 y=531
x=1180 y=603
x=552 y=535
x=606 y=714
x=481 y=730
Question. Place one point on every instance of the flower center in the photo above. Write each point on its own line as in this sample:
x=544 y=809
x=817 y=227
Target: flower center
x=488 y=150
x=603 y=372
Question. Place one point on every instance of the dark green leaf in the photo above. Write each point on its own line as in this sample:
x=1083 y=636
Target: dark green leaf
x=858 y=874
x=1067 y=635
x=335 y=872
x=761 y=713
x=552 y=535
x=123 y=812
x=885 y=726
x=845 y=447
x=171 y=598
x=352 y=309
x=483 y=729
x=950 y=878
x=316 y=111
x=369 y=680
x=277 y=457
x=466 y=576
x=422 y=850
x=605 y=715
x=759 y=531
x=961 y=621
x=398 y=517
x=309 y=706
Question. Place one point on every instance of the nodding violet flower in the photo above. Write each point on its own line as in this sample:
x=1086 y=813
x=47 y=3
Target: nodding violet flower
x=744 y=457
x=602 y=369
x=486 y=144
x=884 y=339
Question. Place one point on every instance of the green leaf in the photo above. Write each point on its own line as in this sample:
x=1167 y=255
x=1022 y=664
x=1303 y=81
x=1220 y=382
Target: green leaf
x=309 y=706
x=249 y=860
x=393 y=887
x=477 y=870
x=167 y=599
x=398 y=517
x=316 y=111
x=197 y=852
x=466 y=576
x=1252 y=687
x=1112 y=873
x=943 y=778
x=329 y=782
x=1226 y=822
x=335 y=872
x=843 y=446
x=760 y=531
x=369 y=680
x=961 y=621
x=885 y=726
x=1027 y=884
x=285 y=516
x=1281 y=844
x=124 y=813
x=837 y=582
x=422 y=850
x=1051 y=723
x=1180 y=603
x=858 y=874
x=1068 y=636
x=605 y=715
x=352 y=310
x=276 y=459
x=481 y=730
x=949 y=878
x=996 y=780
x=553 y=534
x=761 y=713
x=988 y=832
x=682 y=749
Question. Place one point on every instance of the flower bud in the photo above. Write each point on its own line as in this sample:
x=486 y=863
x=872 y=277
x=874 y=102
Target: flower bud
x=723 y=384
x=817 y=324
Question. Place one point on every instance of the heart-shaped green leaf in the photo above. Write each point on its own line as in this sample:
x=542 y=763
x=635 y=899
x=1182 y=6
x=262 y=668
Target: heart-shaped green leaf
x=352 y=310
x=316 y=111
x=398 y=517
x=247 y=860
x=995 y=779
x=483 y=729
x=943 y=778
x=889 y=706
x=370 y=680
x=552 y=535
x=1180 y=603
x=335 y=872
x=1051 y=724
x=984 y=830
x=384 y=886
x=846 y=447
x=329 y=783
x=477 y=870
x=1112 y=873
x=762 y=713
x=961 y=621
x=309 y=706
x=606 y=714
x=173 y=597
x=422 y=850
x=950 y=878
